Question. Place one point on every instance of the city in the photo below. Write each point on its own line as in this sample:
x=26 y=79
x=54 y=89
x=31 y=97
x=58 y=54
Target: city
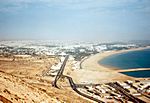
x=134 y=90
x=74 y=51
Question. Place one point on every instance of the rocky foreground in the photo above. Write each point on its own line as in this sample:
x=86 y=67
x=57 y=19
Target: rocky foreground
x=21 y=81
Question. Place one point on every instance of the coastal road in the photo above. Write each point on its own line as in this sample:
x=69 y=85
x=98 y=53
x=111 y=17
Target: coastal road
x=83 y=85
x=125 y=93
x=146 y=95
x=74 y=87
x=60 y=72
x=72 y=84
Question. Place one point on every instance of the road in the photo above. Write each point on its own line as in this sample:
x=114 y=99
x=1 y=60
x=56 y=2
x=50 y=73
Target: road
x=125 y=93
x=72 y=84
x=75 y=86
x=146 y=95
x=60 y=72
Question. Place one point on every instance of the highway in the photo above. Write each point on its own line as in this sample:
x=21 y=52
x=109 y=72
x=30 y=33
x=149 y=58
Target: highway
x=146 y=95
x=75 y=86
x=125 y=93
x=72 y=84
x=60 y=72
x=83 y=85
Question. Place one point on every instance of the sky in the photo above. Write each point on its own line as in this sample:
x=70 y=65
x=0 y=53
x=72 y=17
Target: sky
x=75 y=19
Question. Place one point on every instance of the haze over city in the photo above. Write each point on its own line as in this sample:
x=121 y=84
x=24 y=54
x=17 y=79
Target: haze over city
x=74 y=51
x=75 y=19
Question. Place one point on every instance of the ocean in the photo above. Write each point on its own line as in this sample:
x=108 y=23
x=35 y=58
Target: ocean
x=140 y=73
x=130 y=60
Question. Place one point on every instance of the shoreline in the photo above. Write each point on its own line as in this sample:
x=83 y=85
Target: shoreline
x=93 y=72
x=120 y=52
x=98 y=57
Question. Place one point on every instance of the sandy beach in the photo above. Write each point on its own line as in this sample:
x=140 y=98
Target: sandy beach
x=92 y=71
x=92 y=62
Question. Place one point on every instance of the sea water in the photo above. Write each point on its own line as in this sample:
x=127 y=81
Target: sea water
x=130 y=60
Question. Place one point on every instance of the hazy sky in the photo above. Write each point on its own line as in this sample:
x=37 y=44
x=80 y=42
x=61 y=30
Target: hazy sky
x=75 y=19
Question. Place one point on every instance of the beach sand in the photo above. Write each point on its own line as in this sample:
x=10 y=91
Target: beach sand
x=93 y=72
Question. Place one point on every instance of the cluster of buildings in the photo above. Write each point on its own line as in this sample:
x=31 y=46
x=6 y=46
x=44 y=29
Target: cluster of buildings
x=141 y=86
x=49 y=47
x=110 y=92
x=78 y=50
x=118 y=91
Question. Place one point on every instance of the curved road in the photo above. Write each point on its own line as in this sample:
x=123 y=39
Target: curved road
x=74 y=86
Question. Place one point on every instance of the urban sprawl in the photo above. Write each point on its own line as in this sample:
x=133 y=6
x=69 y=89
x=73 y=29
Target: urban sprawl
x=76 y=52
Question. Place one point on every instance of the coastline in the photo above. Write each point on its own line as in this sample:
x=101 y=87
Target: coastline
x=93 y=61
x=94 y=72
